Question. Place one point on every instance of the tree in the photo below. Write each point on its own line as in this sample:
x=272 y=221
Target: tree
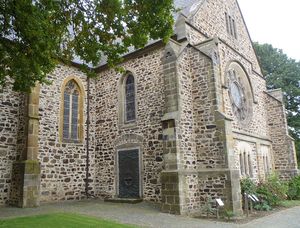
x=36 y=34
x=283 y=72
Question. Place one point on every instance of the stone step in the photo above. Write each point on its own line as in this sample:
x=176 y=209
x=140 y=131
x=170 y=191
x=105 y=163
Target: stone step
x=123 y=200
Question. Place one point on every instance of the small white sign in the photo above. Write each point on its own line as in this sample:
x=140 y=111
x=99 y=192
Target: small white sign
x=255 y=197
x=251 y=198
x=220 y=202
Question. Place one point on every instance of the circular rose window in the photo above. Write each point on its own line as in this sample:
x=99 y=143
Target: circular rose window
x=236 y=94
x=241 y=105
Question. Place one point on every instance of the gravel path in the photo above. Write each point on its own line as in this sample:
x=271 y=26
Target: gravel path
x=148 y=215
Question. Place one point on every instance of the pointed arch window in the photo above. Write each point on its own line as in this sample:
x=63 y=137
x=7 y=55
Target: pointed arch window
x=130 y=99
x=72 y=112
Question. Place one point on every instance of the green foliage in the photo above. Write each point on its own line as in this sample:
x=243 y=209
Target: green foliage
x=264 y=206
x=283 y=72
x=294 y=188
x=35 y=34
x=207 y=208
x=272 y=191
x=290 y=203
x=59 y=220
x=248 y=186
x=229 y=214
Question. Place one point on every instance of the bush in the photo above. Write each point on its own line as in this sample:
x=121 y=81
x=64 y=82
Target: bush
x=272 y=191
x=262 y=207
x=248 y=186
x=294 y=188
x=228 y=214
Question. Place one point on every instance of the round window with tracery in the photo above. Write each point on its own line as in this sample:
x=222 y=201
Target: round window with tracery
x=237 y=92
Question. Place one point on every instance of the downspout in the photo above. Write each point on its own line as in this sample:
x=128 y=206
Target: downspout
x=87 y=165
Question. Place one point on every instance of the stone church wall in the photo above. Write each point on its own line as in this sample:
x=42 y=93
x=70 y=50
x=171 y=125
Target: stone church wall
x=146 y=133
x=210 y=149
x=202 y=160
x=11 y=137
x=285 y=160
x=62 y=164
x=256 y=131
x=210 y=20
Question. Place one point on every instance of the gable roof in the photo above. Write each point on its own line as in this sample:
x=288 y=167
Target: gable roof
x=186 y=7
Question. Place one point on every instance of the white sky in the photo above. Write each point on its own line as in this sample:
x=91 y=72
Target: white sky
x=276 y=22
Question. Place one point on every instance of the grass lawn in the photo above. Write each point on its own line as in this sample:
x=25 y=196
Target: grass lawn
x=290 y=203
x=59 y=220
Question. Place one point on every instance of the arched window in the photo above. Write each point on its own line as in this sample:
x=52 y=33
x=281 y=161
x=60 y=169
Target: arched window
x=242 y=169
x=129 y=99
x=72 y=112
x=245 y=159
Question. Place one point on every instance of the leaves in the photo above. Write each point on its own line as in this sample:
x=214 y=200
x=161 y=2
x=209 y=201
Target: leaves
x=283 y=72
x=35 y=34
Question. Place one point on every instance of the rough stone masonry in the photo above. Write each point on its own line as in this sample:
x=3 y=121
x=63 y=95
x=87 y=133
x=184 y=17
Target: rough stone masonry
x=201 y=119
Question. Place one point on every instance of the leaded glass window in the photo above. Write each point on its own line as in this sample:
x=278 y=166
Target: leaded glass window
x=71 y=112
x=129 y=99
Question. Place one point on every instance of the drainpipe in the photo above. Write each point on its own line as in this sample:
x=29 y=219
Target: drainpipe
x=87 y=140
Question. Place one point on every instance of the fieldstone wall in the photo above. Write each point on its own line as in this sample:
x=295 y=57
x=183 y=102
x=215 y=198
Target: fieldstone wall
x=12 y=138
x=205 y=138
x=63 y=165
x=209 y=146
x=285 y=160
x=185 y=129
x=257 y=126
x=188 y=137
x=148 y=72
x=202 y=186
x=210 y=21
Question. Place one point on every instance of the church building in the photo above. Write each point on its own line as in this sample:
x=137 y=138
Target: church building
x=187 y=121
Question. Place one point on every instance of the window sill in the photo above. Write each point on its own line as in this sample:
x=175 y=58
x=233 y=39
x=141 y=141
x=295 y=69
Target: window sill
x=128 y=125
x=69 y=141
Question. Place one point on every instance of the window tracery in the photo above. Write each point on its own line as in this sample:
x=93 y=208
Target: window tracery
x=71 y=112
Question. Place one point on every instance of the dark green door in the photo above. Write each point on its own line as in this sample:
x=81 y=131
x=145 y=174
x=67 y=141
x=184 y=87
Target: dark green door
x=129 y=174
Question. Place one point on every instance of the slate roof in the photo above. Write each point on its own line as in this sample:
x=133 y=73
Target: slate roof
x=186 y=8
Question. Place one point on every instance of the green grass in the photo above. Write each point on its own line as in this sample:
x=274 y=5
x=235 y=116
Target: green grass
x=59 y=220
x=290 y=203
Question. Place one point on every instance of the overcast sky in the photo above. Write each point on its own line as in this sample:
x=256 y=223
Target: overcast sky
x=276 y=22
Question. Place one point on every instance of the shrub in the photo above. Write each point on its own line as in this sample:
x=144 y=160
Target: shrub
x=207 y=208
x=294 y=188
x=262 y=207
x=248 y=186
x=272 y=191
x=229 y=214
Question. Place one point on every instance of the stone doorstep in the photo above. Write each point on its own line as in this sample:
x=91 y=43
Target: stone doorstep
x=123 y=200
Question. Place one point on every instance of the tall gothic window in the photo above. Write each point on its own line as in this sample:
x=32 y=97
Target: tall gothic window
x=230 y=25
x=71 y=112
x=129 y=99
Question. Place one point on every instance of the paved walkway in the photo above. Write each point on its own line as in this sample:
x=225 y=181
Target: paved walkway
x=148 y=215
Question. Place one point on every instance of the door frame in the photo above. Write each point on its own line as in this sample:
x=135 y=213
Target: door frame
x=140 y=161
